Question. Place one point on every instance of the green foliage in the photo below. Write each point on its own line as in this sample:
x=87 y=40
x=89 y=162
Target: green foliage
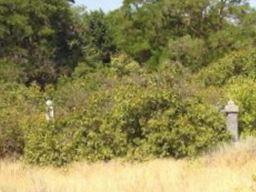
x=246 y=99
x=143 y=29
x=50 y=38
x=134 y=116
x=98 y=40
x=10 y=72
x=38 y=35
x=233 y=77
x=144 y=81
x=17 y=103
x=238 y=63
x=158 y=123
x=190 y=52
x=230 y=39
x=123 y=65
x=48 y=143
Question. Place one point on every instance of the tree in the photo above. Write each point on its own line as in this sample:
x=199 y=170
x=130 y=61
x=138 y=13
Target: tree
x=38 y=35
x=143 y=28
x=98 y=41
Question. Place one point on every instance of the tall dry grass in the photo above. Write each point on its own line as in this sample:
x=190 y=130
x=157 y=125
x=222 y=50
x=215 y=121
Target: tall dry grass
x=229 y=169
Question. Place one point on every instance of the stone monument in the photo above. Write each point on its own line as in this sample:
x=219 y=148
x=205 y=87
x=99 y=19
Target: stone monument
x=49 y=110
x=232 y=110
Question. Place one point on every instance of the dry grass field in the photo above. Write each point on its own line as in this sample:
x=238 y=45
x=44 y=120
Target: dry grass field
x=230 y=169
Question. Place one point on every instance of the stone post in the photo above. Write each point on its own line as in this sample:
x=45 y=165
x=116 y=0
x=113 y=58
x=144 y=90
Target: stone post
x=49 y=110
x=232 y=119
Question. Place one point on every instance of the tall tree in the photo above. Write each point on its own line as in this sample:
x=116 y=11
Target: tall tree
x=145 y=27
x=98 y=40
x=38 y=35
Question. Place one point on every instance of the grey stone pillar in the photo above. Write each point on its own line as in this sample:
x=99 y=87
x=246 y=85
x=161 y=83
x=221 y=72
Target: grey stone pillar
x=232 y=111
x=49 y=110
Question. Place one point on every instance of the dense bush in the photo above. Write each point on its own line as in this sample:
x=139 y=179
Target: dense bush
x=127 y=111
x=141 y=116
x=159 y=123
x=243 y=92
x=10 y=72
x=49 y=143
x=123 y=83
x=190 y=52
x=17 y=103
x=232 y=77
x=238 y=63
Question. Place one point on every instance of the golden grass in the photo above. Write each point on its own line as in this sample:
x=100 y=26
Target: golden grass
x=229 y=169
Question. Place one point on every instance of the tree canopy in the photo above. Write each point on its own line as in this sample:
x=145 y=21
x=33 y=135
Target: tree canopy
x=48 y=39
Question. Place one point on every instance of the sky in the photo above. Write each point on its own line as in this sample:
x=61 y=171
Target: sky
x=105 y=5
x=253 y=2
x=108 y=5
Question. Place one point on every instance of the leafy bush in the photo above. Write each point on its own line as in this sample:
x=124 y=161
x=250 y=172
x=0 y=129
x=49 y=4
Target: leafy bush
x=233 y=77
x=49 y=143
x=230 y=39
x=122 y=64
x=159 y=123
x=17 y=104
x=190 y=52
x=243 y=92
x=10 y=72
x=140 y=117
x=238 y=63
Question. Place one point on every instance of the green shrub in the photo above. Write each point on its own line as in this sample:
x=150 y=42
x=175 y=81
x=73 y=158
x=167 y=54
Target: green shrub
x=238 y=63
x=160 y=124
x=140 y=117
x=243 y=92
x=17 y=103
x=49 y=143
x=189 y=51
x=122 y=64
x=232 y=38
x=10 y=72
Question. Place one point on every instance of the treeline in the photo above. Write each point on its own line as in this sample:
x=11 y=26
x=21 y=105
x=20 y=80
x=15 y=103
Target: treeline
x=44 y=40
x=144 y=81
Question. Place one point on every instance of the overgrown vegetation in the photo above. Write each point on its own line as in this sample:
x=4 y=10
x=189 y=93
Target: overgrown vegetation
x=145 y=81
